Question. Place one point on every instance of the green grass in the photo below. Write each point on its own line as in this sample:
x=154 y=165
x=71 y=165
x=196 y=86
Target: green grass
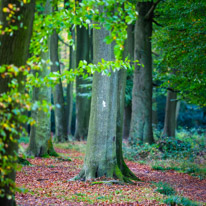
x=164 y=188
x=180 y=166
x=180 y=201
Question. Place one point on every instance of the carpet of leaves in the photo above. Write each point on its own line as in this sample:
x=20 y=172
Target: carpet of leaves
x=46 y=182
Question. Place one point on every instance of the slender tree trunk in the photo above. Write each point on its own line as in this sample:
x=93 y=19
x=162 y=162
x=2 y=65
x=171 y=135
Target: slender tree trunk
x=40 y=137
x=122 y=77
x=69 y=90
x=60 y=117
x=82 y=102
x=170 y=115
x=141 y=122
x=14 y=50
x=129 y=51
x=154 y=110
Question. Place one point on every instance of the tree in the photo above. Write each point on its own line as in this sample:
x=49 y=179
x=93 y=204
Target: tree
x=58 y=94
x=40 y=137
x=14 y=49
x=82 y=102
x=101 y=155
x=170 y=115
x=141 y=122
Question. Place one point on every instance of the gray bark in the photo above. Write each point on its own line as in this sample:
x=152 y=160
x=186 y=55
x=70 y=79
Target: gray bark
x=141 y=122
x=100 y=159
x=82 y=103
x=170 y=115
x=58 y=94
x=14 y=50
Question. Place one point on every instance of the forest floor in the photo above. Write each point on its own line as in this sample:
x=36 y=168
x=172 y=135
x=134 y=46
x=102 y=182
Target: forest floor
x=46 y=183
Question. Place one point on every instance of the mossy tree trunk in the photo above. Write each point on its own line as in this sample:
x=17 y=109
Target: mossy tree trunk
x=60 y=110
x=14 y=50
x=82 y=102
x=101 y=154
x=170 y=115
x=141 y=122
x=41 y=132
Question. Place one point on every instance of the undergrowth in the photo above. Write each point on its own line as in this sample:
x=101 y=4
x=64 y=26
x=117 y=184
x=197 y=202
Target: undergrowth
x=185 y=153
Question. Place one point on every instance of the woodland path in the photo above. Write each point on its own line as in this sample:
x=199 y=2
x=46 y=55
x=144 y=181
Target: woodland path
x=47 y=184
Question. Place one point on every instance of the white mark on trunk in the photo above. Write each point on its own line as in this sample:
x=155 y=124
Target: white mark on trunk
x=104 y=103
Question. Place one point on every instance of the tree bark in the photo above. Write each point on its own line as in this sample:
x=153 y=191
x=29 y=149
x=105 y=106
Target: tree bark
x=40 y=137
x=82 y=103
x=101 y=152
x=100 y=159
x=170 y=115
x=60 y=111
x=127 y=120
x=14 y=50
x=69 y=90
x=129 y=51
x=122 y=77
x=141 y=122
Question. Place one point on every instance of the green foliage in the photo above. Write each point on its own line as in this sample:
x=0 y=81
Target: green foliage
x=164 y=188
x=182 y=52
x=180 y=201
x=23 y=161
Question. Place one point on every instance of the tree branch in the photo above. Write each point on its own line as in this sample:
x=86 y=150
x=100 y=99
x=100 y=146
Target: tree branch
x=149 y=13
x=167 y=88
x=157 y=23
x=61 y=40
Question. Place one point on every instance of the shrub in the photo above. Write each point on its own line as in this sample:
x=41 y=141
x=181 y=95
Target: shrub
x=180 y=201
x=164 y=188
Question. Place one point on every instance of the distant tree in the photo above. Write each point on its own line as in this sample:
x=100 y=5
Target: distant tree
x=40 y=137
x=170 y=121
x=82 y=102
x=14 y=48
x=141 y=122
x=58 y=93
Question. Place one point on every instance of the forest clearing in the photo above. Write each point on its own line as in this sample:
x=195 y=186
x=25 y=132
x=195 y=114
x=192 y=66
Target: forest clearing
x=102 y=102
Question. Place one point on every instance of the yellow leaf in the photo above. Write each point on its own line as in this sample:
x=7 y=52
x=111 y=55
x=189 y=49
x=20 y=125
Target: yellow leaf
x=5 y=10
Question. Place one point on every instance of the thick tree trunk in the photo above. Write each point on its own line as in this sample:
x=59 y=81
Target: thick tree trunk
x=170 y=115
x=100 y=159
x=82 y=103
x=40 y=136
x=60 y=111
x=141 y=122
x=101 y=153
x=14 y=50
